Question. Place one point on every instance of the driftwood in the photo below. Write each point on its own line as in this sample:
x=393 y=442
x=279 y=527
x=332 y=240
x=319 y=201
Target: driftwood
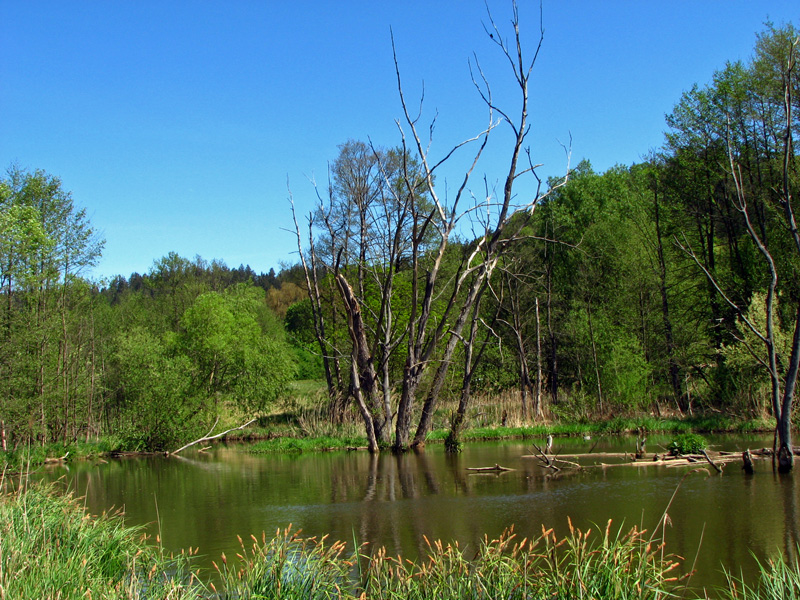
x=56 y=460
x=711 y=462
x=544 y=460
x=717 y=460
x=208 y=437
x=495 y=469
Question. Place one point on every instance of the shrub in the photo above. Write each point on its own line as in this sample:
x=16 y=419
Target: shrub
x=688 y=443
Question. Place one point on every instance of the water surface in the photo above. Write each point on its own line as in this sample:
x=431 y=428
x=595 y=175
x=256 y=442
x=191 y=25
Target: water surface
x=205 y=499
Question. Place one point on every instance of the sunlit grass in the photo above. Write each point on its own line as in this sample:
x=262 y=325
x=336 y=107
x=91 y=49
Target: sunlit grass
x=286 y=566
x=605 y=564
x=49 y=548
x=307 y=444
x=26 y=456
x=778 y=579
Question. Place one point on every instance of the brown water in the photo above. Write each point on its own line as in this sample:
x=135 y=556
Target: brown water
x=205 y=500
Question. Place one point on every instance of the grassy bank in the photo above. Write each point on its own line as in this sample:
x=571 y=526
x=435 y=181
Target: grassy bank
x=327 y=437
x=49 y=549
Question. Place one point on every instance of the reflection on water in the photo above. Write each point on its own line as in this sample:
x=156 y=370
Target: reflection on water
x=205 y=500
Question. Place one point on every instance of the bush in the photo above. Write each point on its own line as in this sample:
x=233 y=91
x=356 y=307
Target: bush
x=688 y=443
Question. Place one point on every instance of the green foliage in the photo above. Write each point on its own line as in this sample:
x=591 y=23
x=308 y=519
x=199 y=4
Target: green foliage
x=744 y=369
x=156 y=400
x=227 y=338
x=688 y=443
x=47 y=361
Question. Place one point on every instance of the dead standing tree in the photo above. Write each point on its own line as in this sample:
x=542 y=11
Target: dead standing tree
x=363 y=225
x=496 y=213
x=425 y=222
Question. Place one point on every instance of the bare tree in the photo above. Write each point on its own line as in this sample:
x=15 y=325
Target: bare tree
x=782 y=373
x=497 y=213
x=397 y=221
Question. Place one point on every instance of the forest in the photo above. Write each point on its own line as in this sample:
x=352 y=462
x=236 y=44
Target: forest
x=667 y=286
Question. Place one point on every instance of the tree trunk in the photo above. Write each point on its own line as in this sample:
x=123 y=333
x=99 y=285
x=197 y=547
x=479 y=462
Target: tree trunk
x=674 y=374
x=594 y=358
x=538 y=404
x=362 y=367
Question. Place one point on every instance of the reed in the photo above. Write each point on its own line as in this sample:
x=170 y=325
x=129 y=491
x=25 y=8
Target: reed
x=618 y=566
x=778 y=580
x=285 y=567
x=50 y=549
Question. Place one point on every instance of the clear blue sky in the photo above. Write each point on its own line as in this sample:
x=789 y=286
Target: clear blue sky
x=177 y=124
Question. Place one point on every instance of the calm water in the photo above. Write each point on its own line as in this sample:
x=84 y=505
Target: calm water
x=205 y=500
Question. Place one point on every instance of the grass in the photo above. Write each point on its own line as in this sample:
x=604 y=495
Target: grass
x=611 y=565
x=608 y=565
x=25 y=456
x=296 y=445
x=301 y=423
x=778 y=580
x=50 y=549
x=286 y=566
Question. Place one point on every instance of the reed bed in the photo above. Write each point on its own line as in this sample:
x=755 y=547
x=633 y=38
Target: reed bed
x=288 y=567
x=51 y=550
x=616 y=566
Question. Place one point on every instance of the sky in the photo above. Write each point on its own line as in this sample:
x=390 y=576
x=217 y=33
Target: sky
x=185 y=126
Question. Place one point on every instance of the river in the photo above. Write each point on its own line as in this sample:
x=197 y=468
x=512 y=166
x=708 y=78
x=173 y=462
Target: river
x=203 y=500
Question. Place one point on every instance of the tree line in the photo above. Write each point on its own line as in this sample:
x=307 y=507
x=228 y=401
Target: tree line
x=670 y=284
x=150 y=360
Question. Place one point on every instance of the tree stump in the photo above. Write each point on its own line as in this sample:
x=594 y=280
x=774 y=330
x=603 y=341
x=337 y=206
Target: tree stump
x=747 y=460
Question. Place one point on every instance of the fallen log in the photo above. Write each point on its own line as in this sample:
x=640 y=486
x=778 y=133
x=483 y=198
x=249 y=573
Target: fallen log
x=712 y=463
x=208 y=437
x=494 y=469
x=56 y=460
x=544 y=460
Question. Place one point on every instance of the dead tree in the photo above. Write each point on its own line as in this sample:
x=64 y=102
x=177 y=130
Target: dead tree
x=499 y=211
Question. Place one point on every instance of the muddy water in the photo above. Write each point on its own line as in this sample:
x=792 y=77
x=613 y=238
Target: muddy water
x=205 y=499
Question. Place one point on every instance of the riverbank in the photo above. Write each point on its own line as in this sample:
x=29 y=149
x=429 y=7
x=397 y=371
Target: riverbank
x=305 y=441
x=49 y=548
x=306 y=430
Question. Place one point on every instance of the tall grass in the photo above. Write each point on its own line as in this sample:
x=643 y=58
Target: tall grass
x=287 y=567
x=50 y=549
x=617 y=566
x=608 y=565
x=778 y=580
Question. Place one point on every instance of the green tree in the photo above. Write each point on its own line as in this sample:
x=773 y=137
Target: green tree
x=236 y=349
x=156 y=403
x=49 y=245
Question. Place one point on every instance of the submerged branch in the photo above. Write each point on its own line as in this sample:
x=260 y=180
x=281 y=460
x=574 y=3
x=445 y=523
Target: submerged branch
x=208 y=437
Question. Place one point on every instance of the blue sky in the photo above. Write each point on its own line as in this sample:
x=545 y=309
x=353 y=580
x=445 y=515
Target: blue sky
x=177 y=124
